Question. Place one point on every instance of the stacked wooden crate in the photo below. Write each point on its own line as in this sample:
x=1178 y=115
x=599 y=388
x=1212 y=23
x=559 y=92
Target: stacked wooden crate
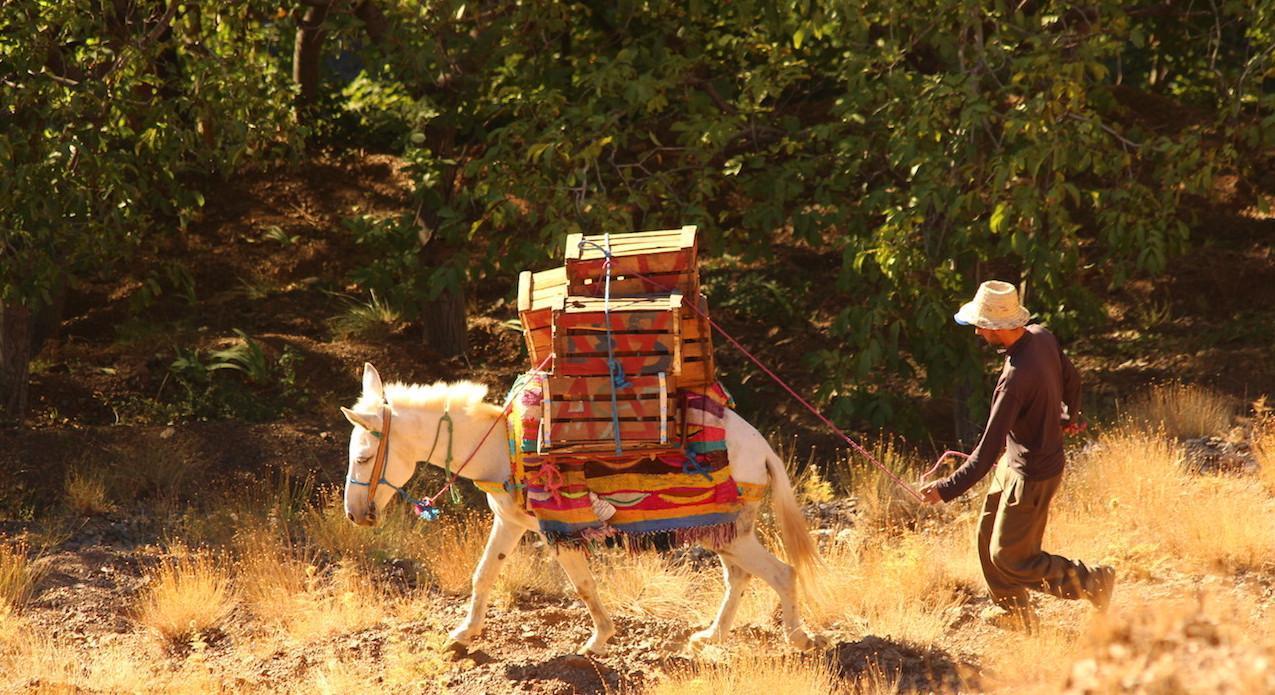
x=661 y=344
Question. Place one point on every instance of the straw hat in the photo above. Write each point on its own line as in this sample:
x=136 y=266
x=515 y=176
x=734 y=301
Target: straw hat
x=995 y=306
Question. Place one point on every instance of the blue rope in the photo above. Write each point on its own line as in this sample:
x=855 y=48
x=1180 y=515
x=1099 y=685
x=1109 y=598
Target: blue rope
x=691 y=465
x=424 y=508
x=613 y=366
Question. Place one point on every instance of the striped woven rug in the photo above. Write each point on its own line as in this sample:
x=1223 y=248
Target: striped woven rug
x=686 y=496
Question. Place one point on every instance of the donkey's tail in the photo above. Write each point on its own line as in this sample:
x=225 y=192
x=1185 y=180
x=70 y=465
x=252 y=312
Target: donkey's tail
x=799 y=546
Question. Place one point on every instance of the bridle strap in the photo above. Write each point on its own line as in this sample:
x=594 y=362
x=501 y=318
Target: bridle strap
x=382 y=452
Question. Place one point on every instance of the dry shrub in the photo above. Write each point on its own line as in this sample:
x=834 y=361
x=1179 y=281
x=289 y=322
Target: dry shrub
x=189 y=595
x=748 y=674
x=19 y=573
x=343 y=601
x=1128 y=500
x=648 y=585
x=1202 y=644
x=1264 y=449
x=881 y=502
x=86 y=493
x=1029 y=663
x=413 y=664
x=903 y=588
x=1181 y=411
x=32 y=663
x=284 y=585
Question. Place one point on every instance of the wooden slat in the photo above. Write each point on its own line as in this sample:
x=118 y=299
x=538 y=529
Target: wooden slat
x=524 y=291
x=538 y=318
x=665 y=239
x=630 y=321
x=661 y=302
x=563 y=433
x=601 y=449
x=626 y=409
x=658 y=283
x=645 y=263
x=577 y=388
x=638 y=365
x=621 y=344
x=694 y=350
x=695 y=374
x=539 y=344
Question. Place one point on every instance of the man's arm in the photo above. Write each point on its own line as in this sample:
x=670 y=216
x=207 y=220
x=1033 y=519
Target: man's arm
x=999 y=422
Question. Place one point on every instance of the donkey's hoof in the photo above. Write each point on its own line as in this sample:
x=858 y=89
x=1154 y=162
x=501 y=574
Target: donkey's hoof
x=592 y=649
x=456 y=649
x=804 y=642
x=703 y=638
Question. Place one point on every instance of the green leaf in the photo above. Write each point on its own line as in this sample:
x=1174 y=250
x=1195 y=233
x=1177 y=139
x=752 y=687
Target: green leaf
x=997 y=222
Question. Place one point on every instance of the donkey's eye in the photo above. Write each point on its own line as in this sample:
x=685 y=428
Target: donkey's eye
x=362 y=460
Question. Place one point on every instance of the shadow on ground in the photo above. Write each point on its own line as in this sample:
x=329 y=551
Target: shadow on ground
x=915 y=668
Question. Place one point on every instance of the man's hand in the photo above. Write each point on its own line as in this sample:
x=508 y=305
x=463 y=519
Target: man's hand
x=1076 y=426
x=930 y=492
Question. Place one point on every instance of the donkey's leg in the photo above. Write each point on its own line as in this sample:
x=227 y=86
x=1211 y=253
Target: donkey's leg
x=736 y=580
x=502 y=541
x=753 y=557
x=574 y=564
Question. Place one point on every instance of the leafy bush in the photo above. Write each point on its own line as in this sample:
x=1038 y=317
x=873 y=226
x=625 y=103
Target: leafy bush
x=240 y=381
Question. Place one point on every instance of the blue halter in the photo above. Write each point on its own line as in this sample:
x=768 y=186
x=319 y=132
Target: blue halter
x=424 y=508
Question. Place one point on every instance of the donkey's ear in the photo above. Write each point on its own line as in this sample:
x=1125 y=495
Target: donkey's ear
x=359 y=420
x=372 y=382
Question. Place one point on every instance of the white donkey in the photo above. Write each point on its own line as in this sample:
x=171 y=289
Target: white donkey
x=415 y=414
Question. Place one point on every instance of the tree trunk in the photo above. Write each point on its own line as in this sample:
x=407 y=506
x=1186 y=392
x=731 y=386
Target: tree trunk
x=443 y=321
x=15 y=360
x=306 y=52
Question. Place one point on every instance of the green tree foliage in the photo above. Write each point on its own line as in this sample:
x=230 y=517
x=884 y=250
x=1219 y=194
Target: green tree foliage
x=919 y=146
x=112 y=112
x=928 y=145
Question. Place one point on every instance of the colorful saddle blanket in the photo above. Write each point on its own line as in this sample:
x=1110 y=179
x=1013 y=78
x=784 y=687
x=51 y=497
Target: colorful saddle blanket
x=688 y=494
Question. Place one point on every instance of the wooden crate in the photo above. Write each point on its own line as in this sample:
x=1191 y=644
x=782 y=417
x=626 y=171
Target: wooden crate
x=666 y=259
x=538 y=294
x=578 y=414
x=699 y=370
x=644 y=334
x=644 y=339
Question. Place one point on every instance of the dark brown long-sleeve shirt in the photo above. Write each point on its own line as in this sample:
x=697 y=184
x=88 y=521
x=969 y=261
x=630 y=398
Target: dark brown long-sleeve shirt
x=1026 y=417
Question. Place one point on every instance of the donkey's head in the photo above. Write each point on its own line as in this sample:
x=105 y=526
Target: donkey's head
x=371 y=464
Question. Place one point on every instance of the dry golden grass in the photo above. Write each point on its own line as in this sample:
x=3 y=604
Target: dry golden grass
x=1181 y=411
x=1264 y=449
x=748 y=674
x=1128 y=501
x=904 y=588
x=19 y=574
x=305 y=577
x=188 y=595
x=86 y=493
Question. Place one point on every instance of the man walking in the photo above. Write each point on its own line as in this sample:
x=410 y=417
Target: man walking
x=1026 y=423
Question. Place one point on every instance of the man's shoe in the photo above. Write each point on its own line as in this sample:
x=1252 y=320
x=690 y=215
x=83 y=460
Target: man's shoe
x=1102 y=583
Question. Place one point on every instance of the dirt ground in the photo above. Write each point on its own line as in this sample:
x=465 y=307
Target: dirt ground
x=113 y=352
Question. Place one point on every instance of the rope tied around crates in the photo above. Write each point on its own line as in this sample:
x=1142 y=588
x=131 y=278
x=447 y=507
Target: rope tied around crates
x=774 y=377
x=614 y=368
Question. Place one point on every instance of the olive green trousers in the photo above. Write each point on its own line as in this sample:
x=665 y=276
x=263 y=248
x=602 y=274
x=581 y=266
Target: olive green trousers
x=1009 y=538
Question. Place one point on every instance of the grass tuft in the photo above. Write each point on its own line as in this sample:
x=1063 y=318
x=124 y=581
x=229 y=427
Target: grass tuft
x=748 y=674
x=371 y=320
x=188 y=596
x=1181 y=411
x=86 y=493
x=1127 y=500
x=19 y=574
